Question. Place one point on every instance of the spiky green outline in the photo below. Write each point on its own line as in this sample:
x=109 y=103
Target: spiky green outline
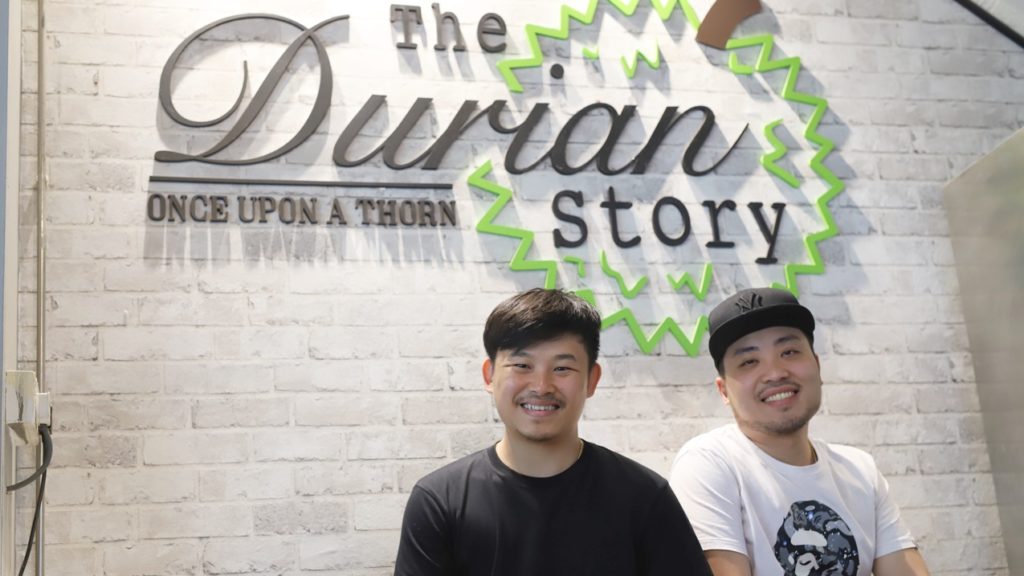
x=687 y=280
x=626 y=291
x=778 y=151
x=632 y=68
x=690 y=344
x=764 y=64
x=581 y=269
x=518 y=263
x=508 y=66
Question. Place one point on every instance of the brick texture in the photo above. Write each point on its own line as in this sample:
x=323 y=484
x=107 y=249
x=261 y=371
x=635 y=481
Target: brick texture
x=260 y=398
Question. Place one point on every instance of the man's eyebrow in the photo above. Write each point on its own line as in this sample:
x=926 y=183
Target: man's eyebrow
x=786 y=338
x=753 y=347
x=522 y=353
x=744 y=350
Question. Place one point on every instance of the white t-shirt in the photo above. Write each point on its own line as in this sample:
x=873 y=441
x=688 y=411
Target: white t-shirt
x=788 y=520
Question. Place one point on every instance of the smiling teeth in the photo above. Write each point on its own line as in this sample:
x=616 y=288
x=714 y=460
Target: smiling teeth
x=779 y=396
x=539 y=407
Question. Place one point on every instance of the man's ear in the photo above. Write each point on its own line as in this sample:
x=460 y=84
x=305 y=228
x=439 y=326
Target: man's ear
x=488 y=372
x=592 y=379
x=722 y=390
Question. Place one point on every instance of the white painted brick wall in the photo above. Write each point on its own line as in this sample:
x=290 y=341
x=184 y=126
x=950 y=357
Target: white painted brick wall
x=245 y=484
x=293 y=445
x=142 y=557
x=195 y=448
x=79 y=526
x=248 y=556
x=147 y=486
x=195 y=521
x=346 y=478
x=347 y=410
x=260 y=399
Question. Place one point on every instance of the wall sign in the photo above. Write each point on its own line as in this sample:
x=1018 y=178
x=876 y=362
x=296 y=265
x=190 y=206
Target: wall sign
x=536 y=143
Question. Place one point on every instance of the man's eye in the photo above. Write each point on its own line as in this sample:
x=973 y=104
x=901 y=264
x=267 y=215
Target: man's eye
x=790 y=352
x=747 y=362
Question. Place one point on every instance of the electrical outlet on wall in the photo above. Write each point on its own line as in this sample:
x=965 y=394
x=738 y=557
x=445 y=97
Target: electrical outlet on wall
x=27 y=408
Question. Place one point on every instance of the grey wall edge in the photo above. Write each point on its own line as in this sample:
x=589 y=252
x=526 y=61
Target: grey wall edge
x=985 y=206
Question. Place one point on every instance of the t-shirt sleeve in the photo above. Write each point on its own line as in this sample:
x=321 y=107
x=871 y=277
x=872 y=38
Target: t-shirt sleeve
x=710 y=495
x=669 y=546
x=425 y=547
x=890 y=533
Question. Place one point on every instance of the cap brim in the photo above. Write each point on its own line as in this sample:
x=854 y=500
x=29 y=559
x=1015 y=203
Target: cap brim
x=791 y=315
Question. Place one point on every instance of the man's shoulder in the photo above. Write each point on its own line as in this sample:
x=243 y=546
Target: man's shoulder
x=726 y=439
x=850 y=457
x=619 y=468
x=438 y=481
x=721 y=450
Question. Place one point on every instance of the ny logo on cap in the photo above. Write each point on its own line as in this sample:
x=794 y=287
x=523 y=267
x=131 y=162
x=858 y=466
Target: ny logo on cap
x=746 y=303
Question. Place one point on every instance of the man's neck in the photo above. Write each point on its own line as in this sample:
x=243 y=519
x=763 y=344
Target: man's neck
x=794 y=449
x=539 y=459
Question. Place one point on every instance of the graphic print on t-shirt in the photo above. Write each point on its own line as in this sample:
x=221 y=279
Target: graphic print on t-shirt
x=815 y=541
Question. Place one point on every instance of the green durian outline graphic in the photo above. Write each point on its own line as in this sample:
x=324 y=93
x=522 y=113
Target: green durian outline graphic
x=690 y=341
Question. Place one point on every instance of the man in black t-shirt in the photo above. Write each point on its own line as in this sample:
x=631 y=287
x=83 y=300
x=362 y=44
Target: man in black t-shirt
x=542 y=501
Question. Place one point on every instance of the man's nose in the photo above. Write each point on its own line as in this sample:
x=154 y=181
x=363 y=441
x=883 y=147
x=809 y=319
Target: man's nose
x=543 y=382
x=776 y=369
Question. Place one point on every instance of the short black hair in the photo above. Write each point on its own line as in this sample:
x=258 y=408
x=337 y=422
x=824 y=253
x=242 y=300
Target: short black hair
x=539 y=315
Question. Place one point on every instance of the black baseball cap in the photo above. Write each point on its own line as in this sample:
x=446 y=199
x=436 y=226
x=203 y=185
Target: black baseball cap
x=751 y=310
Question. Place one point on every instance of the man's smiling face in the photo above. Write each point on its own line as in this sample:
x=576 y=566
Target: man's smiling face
x=772 y=380
x=540 y=390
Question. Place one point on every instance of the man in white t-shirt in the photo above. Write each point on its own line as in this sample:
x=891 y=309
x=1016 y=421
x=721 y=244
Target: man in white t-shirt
x=763 y=497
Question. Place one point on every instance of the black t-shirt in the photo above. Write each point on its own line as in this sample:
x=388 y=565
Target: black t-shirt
x=604 y=516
